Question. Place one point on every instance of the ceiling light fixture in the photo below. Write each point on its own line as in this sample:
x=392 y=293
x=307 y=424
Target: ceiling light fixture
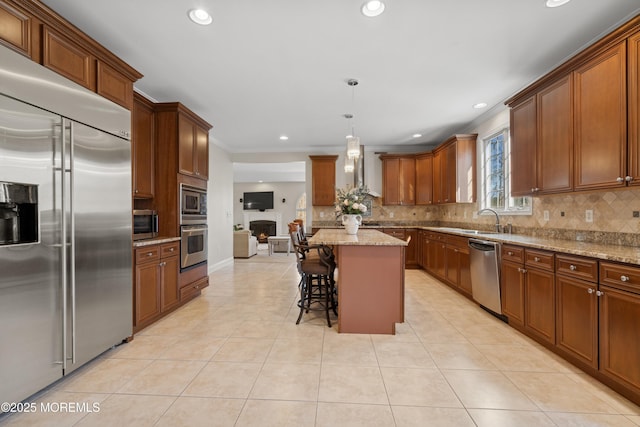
x=372 y=8
x=284 y=138
x=416 y=135
x=353 y=142
x=349 y=165
x=480 y=105
x=200 y=16
x=556 y=3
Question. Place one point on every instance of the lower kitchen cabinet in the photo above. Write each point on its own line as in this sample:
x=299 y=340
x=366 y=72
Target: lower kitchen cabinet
x=539 y=310
x=512 y=284
x=411 y=251
x=156 y=282
x=577 y=308
x=619 y=315
x=458 y=263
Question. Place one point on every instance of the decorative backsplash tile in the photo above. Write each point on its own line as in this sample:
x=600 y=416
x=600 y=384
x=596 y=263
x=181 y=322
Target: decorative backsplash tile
x=613 y=216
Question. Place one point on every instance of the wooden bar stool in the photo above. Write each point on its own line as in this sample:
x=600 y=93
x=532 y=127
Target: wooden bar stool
x=317 y=284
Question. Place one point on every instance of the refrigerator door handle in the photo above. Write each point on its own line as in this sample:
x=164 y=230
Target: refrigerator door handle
x=63 y=241
x=72 y=261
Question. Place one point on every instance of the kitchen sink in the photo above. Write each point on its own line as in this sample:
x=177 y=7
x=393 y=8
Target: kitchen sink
x=477 y=232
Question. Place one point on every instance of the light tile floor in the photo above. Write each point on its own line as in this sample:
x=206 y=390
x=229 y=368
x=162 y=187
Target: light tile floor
x=235 y=357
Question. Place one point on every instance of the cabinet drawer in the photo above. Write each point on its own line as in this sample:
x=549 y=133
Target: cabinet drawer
x=539 y=259
x=513 y=254
x=577 y=267
x=147 y=254
x=620 y=276
x=169 y=249
x=193 y=289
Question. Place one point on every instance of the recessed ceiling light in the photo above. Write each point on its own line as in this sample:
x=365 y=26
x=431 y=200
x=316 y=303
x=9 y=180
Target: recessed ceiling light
x=284 y=138
x=480 y=105
x=372 y=8
x=556 y=3
x=417 y=135
x=200 y=16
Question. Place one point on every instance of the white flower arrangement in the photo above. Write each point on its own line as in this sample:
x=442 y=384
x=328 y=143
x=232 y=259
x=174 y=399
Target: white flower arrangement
x=351 y=201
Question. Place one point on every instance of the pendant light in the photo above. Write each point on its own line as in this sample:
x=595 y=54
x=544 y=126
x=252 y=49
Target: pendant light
x=353 y=142
x=349 y=165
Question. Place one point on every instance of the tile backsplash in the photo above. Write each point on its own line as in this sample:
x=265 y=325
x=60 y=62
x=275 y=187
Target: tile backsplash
x=613 y=219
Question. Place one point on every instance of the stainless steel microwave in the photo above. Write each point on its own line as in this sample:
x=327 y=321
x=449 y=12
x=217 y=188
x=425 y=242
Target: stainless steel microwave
x=193 y=205
x=145 y=224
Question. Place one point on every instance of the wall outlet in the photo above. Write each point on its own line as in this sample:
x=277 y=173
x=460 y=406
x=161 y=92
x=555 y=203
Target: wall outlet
x=545 y=214
x=475 y=215
x=321 y=214
x=390 y=214
x=588 y=215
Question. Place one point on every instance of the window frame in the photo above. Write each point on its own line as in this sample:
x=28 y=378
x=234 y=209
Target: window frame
x=510 y=205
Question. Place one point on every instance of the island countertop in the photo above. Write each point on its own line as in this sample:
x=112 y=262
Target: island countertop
x=369 y=237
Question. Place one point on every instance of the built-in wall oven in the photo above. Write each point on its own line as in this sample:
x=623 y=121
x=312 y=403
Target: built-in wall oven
x=193 y=226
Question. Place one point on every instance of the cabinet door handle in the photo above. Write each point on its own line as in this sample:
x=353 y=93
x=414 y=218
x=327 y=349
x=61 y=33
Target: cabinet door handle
x=171 y=249
x=628 y=178
x=599 y=293
x=150 y=254
x=624 y=278
x=510 y=253
x=620 y=179
x=590 y=291
x=536 y=259
x=522 y=270
x=573 y=267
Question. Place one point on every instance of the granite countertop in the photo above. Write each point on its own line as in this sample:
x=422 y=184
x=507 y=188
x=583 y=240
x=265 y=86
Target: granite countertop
x=331 y=236
x=626 y=254
x=154 y=241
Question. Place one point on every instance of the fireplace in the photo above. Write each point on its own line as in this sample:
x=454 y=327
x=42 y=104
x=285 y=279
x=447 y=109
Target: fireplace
x=263 y=229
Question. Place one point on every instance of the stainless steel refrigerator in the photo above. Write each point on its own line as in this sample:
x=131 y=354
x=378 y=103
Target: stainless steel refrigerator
x=65 y=226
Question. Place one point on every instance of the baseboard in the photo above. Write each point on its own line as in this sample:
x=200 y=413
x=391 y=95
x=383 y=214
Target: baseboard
x=220 y=264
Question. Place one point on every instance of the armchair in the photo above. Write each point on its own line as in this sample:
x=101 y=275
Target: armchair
x=244 y=244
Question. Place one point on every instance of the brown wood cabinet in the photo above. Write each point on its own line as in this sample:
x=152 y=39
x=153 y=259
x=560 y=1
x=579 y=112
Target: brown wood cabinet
x=600 y=120
x=323 y=180
x=523 y=128
x=633 y=138
x=36 y=31
x=156 y=282
x=16 y=28
x=577 y=308
x=528 y=291
x=398 y=179
x=193 y=146
x=143 y=148
x=458 y=263
x=512 y=284
x=539 y=288
x=424 y=179
x=554 y=146
x=586 y=125
x=411 y=250
x=454 y=166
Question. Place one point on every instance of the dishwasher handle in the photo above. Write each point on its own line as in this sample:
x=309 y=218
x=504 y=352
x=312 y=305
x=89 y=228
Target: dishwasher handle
x=483 y=245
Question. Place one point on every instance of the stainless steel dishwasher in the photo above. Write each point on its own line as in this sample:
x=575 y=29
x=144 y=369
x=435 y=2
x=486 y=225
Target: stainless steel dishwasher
x=485 y=274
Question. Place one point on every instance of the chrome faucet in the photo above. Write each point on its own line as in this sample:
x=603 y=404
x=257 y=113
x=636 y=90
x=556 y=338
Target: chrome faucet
x=497 y=217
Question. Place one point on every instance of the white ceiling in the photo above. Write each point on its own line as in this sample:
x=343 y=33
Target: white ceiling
x=267 y=68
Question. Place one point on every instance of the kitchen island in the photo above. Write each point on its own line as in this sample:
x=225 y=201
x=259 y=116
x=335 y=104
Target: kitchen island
x=370 y=279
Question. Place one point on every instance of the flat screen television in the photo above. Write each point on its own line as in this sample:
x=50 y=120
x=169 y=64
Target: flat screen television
x=260 y=200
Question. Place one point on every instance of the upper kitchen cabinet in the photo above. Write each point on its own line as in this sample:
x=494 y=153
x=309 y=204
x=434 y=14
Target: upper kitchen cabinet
x=323 y=180
x=454 y=170
x=523 y=147
x=16 y=28
x=142 y=148
x=183 y=137
x=600 y=120
x=193 y=147
x=633 y=151
x=398 y=179
x=583 y=120
x=37 y=32
x=424 y=179
x=68 y=59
